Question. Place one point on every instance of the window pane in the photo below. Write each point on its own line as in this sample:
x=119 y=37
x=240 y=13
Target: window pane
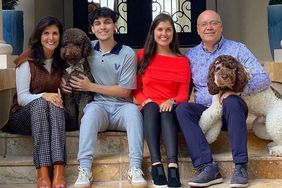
x=119 y=6
x=180 y=10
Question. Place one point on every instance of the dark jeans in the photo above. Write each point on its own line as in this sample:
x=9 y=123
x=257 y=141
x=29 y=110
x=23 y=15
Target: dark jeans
x=235 y=112
x=157 y=123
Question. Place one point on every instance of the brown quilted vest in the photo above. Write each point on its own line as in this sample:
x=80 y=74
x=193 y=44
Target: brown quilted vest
x=41 y=79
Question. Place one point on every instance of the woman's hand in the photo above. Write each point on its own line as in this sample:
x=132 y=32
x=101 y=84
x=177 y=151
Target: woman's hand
x=65 y=87
x=167 y=105
x=80 y=83
x=146 y=102
x=54 y=98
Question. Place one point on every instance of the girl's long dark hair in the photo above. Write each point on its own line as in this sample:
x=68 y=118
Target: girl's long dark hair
x=35 y=41
x=150 y=44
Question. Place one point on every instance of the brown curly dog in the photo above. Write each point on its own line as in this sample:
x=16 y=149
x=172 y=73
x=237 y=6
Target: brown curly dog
x=76 y=47
x=226 y=73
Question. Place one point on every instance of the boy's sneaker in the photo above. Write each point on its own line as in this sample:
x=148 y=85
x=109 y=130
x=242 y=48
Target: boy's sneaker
x=158 y=176
x=209 y=175
x=84 y=179
x=173 y=177
x=135 y=176
x=240 y=176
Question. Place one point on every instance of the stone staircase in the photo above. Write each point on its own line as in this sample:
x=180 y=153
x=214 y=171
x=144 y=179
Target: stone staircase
x=111 y=162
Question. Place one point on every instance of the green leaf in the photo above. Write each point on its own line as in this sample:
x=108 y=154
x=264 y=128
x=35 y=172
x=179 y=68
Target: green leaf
x=275 y=2
x=9 y=4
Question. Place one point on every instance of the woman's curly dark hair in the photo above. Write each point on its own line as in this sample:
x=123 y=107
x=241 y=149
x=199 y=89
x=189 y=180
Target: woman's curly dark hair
x=35 y=41
x=241 y=76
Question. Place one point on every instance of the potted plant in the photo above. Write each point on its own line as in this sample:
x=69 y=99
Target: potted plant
x=13 y=32
x=9 y=4
x=274 y=16
x=275 y=2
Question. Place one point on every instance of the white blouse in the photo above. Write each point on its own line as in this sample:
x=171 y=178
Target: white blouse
x=23 y=79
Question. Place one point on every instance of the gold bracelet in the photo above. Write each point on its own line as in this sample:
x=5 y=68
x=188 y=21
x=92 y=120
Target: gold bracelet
x=173 y=101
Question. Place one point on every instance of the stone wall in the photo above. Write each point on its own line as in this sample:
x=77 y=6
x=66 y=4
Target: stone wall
x=7 y=89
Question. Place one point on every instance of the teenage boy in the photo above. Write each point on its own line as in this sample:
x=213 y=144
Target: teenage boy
x=113 y=66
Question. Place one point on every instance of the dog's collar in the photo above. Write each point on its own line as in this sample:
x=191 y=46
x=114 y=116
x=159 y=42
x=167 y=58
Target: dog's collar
x=76 y=67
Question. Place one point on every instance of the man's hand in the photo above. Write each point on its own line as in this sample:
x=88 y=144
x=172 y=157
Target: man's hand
x=224 y=94
x=80 y=83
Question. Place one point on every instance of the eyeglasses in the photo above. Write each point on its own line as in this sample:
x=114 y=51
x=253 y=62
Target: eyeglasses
x=212 y=23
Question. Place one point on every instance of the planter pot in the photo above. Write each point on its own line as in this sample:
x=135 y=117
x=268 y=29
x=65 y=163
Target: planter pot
x=13 y=32
x=274 y=15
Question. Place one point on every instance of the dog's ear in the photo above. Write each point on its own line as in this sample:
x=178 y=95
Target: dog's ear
x=212 y=87
x=62 y=53
x=241 y=78
x=87 y=47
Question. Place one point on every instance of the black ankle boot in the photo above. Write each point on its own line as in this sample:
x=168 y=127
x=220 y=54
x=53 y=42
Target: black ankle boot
x=158 y=176
x=173 y=177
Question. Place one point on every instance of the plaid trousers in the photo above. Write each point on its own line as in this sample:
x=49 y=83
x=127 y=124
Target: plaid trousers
x=46 y=124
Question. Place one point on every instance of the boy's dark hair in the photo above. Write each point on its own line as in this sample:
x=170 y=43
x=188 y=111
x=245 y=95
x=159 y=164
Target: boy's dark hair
x=104 y=12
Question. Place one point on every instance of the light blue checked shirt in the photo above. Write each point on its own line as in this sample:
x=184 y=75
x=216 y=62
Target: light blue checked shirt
x=200 y=60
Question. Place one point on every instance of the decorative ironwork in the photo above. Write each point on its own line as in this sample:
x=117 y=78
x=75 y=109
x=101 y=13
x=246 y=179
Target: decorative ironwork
x=122 y=21
x=120 y=6
x=180 y=10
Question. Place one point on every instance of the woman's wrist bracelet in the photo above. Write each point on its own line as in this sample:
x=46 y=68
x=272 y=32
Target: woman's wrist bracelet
x=173 y=101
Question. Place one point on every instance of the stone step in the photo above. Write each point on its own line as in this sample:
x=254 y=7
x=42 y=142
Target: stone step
x=111 y=143
x=111 y=160
x=108 y=143
x=256 y=183
x=113 y=167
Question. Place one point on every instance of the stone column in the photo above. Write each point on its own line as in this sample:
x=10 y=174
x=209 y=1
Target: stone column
x=4 y=48
x=278 y=54
x=7 y=75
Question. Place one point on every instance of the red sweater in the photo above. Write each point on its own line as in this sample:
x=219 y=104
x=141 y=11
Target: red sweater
x=166 y=77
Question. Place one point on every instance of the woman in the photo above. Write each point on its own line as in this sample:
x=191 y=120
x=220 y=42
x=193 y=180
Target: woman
x=37 y=109
x=163 y=82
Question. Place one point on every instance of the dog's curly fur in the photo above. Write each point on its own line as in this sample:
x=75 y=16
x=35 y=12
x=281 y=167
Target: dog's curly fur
x=226 y=73
x=76 y=47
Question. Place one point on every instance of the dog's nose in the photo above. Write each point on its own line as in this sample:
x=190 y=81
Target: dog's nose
x=67 y=54
x=224 y=76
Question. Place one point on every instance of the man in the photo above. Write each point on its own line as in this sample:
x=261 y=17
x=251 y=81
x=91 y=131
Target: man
x=235 y=111
x=113 y=67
